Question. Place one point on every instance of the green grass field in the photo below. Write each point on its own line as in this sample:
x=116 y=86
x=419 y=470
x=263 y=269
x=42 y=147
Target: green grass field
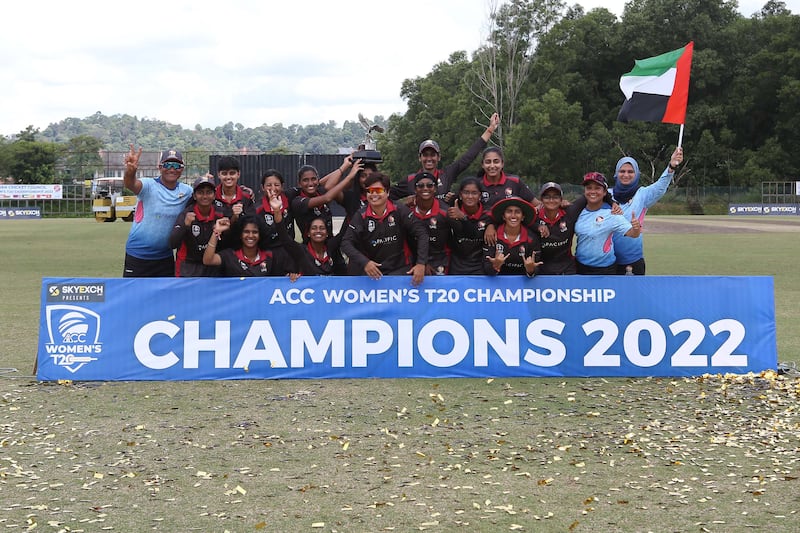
x=706 y=454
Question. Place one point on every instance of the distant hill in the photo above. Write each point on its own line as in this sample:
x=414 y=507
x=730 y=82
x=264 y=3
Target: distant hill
x=118 y=131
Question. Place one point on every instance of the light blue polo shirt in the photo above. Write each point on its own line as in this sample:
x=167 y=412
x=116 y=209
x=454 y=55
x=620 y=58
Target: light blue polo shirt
x=154 y=217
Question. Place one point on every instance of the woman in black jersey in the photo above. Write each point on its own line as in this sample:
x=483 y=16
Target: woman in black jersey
x=247 y=258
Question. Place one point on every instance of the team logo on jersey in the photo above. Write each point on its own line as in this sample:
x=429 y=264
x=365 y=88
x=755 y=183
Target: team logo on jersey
x=195 y=230
x=73 y=336
x=434 y=224
x=484 y=197
x=500 y=248
x=390 y=220
x=562 y=226
x=522 y=250
x=599 y=219
x=509 y=192
x=269 y=219
x=371 y=225
x=481 y=225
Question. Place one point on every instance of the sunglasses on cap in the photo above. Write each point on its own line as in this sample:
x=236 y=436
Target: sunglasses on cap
x=172 y=165
x=425 y=185
x=376 y=190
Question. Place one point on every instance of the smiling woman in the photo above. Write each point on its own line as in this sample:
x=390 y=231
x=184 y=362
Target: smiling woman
x=594 y=251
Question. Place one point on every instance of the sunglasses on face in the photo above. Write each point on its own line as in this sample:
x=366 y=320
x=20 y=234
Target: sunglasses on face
x=376 y=190
x=171 y=165
x=425 y=185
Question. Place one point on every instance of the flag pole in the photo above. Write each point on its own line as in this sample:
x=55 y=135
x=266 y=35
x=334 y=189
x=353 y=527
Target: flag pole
x=680 y=137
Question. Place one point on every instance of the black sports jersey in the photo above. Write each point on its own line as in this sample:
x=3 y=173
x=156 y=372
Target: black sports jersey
x=508 y=186
x=191 y=241
x=385 y=239
x=526 y=245
x=303 y=214
x=444 y=177
x=323 y=264
x=267 y=222
x=225 y=206
x=438 y=226
x=467 y=243
x=557 y=255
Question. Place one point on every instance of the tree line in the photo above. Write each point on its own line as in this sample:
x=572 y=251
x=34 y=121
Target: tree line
x=552 y=72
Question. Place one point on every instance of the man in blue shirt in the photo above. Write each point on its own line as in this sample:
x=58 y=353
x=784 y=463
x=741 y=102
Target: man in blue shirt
x=147 y=252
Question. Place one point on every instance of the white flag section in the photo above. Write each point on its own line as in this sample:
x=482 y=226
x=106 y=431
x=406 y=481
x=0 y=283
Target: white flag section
x=661 y=85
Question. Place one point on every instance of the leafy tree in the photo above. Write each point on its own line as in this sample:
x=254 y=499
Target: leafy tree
x=440 y=107
x=504 y=64
x=82 y=157
x=546 y=144
x=29 y=161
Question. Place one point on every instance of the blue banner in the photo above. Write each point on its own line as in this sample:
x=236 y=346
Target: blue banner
x=354 y=327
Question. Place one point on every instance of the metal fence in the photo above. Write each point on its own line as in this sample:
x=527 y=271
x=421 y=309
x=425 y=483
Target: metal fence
x=77 y=201
x=77 y=195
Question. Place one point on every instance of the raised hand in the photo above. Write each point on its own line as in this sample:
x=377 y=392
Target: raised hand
x=676 y=158
x=498 y=260
x=132 y=158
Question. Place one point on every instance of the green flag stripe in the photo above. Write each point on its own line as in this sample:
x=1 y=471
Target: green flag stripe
x=656 y=66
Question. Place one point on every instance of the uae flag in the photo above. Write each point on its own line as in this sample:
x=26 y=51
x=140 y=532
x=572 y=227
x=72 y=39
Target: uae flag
x=657 y=88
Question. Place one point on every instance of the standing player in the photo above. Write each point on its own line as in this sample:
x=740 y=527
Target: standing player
x=147 y=251
x=193 y=228
x=635 y=201
x=377 y=239
x=432 y=214
x=596 y=224
x=517 y=247
x=470 y=222
x=232 y=199
x=429 y=158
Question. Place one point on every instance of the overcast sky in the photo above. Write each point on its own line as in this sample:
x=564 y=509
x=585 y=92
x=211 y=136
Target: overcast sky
x=252 y=62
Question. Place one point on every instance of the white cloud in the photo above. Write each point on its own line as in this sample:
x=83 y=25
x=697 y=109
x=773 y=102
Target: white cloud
x=244 y=61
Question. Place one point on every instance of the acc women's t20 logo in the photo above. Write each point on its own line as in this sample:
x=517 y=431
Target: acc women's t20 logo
x=73 y=336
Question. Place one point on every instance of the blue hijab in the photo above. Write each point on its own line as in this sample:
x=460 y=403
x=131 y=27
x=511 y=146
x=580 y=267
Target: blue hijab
x=623 y=193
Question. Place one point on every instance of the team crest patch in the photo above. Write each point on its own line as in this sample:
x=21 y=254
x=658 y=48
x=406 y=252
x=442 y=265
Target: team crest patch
x=509 y=192
x=269 y=219
x=391 y=220
x=371 y=226
x=599 y=219
x=195 y=230
x=434 y=224
x=562 y=226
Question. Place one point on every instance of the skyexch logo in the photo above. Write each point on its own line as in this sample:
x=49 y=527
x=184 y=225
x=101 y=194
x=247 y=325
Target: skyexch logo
x=74 y=336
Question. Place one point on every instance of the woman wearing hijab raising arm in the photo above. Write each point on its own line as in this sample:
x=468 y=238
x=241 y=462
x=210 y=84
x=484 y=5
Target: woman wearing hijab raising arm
x=635 y=200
